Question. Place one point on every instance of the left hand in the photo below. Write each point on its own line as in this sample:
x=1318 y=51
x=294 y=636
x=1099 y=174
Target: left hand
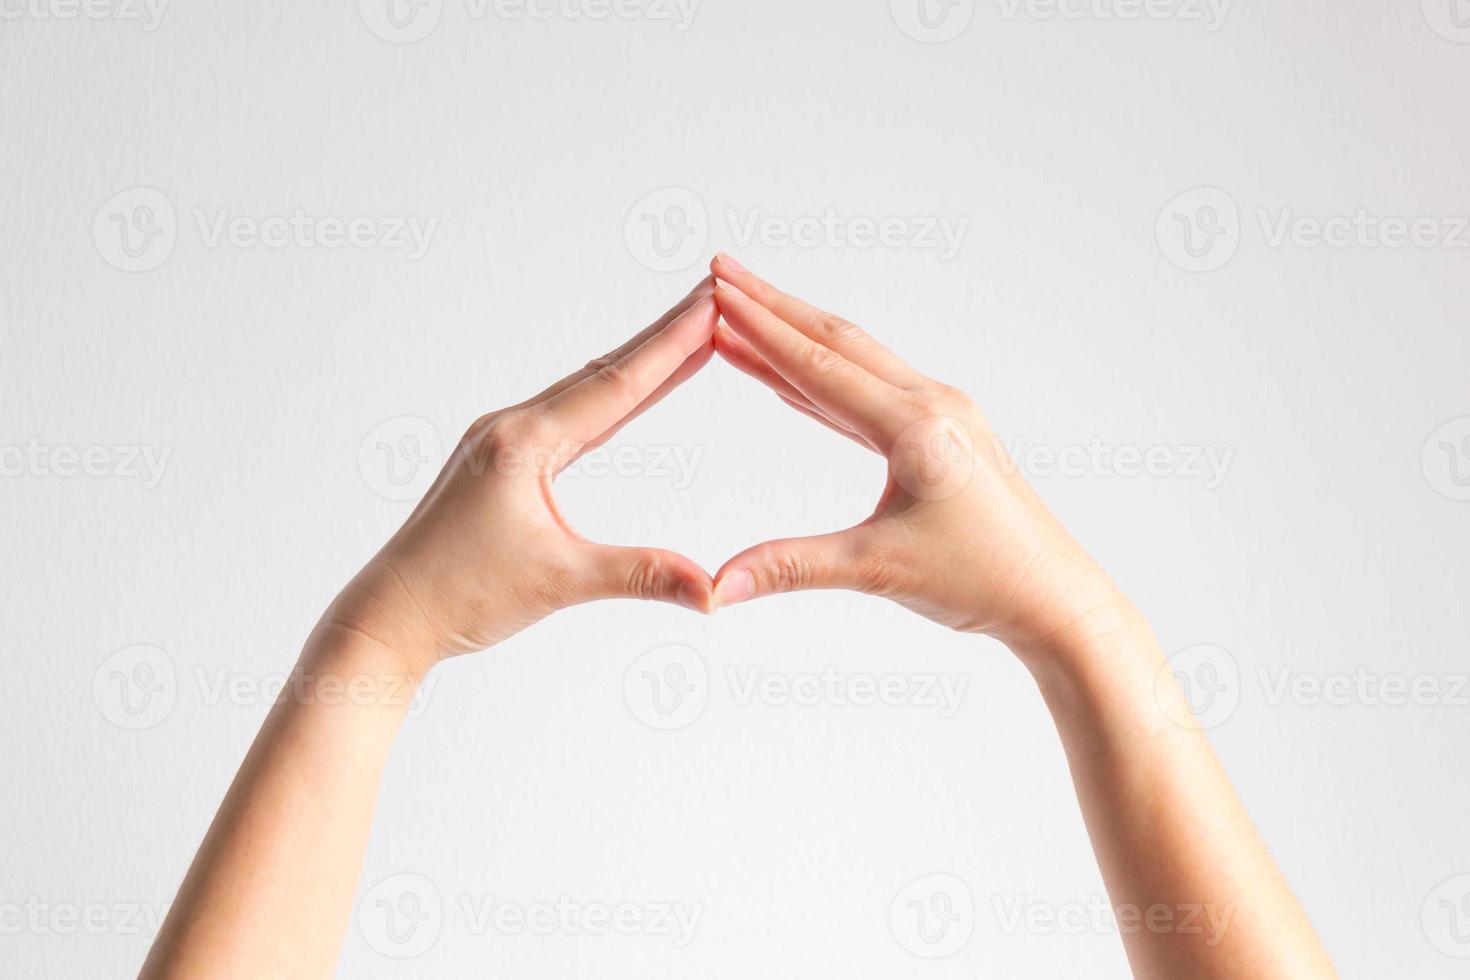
x=487 y=552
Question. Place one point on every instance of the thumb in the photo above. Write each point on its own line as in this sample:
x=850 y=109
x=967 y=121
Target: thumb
x=825 y=561
x=646 y=573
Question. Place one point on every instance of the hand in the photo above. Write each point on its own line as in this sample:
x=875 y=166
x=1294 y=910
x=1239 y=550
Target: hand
x=957 y=536
x=487 y=553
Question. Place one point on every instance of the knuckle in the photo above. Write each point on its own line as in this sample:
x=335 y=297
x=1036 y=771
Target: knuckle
x=835 y=329
x=947 y=396
x=599 y=363
x=617 y=378
x=824 y=360
x=789 y=572
x=645 y=578
x=510 y=429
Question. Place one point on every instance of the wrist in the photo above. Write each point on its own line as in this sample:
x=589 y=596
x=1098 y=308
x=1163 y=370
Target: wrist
x=377 y=618
x=340 y=665
x=1104 y=656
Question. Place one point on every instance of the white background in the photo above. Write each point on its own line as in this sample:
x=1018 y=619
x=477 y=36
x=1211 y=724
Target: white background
x=1335 y=544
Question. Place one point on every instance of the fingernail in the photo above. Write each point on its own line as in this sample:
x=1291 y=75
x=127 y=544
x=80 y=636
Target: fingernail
x=738 y=586
x=730 y=263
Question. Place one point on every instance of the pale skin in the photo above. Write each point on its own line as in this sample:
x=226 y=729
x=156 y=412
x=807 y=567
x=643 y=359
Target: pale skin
x=957 y=536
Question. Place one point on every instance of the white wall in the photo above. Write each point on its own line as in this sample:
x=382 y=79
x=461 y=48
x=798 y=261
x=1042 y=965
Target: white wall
x=1336 y=538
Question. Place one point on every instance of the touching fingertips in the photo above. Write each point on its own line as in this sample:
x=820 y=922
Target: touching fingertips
x=722 y=259
x=733 y=587
x=696 y=596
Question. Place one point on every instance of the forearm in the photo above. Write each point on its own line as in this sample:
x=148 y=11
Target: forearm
x=270 y=891
x=1196 y=891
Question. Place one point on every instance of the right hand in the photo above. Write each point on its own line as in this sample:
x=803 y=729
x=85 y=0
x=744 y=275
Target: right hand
x=957 y=536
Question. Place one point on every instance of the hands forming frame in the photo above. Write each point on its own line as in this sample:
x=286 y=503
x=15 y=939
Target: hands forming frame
x=957 y=536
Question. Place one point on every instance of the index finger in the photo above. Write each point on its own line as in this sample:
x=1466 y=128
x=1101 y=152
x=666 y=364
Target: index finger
x=828 y=329
x=607 y=396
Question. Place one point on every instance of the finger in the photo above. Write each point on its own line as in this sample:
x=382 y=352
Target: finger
x=607 y=396
x=850 y=396
x=825 y=328
x=739 y=353
x=691 y=366
x=825 y=561
x=814 y=414
x=743 y=356
x=610 y=572
x=705 y=287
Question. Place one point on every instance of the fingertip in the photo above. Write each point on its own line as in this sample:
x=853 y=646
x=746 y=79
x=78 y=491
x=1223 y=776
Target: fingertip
x=696 y=596
x=725 y=263
x=705 y=315
x=733 y=586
